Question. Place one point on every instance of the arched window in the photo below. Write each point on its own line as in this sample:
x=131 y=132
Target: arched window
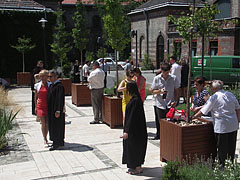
x=160 y=50
x=141 y=48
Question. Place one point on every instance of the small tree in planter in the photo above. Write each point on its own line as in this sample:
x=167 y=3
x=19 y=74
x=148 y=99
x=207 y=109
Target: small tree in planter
x=193 y=25
x=60 y=47
x=24 y=45
x=80 y=31
x=113 y=21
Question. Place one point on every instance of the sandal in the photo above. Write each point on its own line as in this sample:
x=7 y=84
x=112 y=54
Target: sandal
x=136 y=171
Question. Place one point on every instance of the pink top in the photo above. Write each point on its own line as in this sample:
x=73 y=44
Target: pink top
x=142 y=91
x=42 y=101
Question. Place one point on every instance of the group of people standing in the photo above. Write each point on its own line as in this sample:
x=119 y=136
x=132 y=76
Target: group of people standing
x=49 y=105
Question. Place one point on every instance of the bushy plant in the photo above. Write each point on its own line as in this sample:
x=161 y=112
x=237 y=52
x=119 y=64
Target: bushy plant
x=89 y=56
x=235 y=89
x=147 y=63
x=66 y=69
x=201 y=170
x=6 y=120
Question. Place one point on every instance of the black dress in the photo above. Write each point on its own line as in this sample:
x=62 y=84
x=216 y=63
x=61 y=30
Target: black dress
x=184 y=75
x=134 y=147
x=76 y=74
x=55 y=102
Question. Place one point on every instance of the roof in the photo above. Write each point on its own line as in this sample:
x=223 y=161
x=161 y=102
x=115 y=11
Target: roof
x=154 y=4
x=28 y=5
x=88 y=2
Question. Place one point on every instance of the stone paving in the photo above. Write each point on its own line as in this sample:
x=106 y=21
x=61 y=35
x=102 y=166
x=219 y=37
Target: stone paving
x=90 y=152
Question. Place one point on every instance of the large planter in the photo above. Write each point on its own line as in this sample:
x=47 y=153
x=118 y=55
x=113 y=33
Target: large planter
x=186 y=142
x=23 y=78
x=112 y=111
x=67 y=83
x=81 y=94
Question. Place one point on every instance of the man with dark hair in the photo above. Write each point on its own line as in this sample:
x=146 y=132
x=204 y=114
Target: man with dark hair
x=165 y=91
x=85 y=71
x=56 y=111
x=36 y=70
x=96 y=85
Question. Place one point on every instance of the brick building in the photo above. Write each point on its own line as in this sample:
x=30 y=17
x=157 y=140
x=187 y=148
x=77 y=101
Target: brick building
x=158 y=38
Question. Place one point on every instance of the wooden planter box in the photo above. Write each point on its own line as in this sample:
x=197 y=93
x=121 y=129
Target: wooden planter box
x=67 y=83
x=186 y=142
x=23 y=78
x=112 y=111
x=81 y=94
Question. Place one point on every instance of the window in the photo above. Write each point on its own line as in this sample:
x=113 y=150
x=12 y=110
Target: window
x=194 y=48
x=236 y=62
x=177 y=49
x=213 y=48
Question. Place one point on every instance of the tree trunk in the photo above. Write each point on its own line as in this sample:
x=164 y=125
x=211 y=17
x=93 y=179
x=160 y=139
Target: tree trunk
x=81 y=60
x=189 y=79
x=116 y=60
x=23 y=63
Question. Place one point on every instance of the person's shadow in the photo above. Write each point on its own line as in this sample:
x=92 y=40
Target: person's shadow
x=76 y=147
x=153 y=173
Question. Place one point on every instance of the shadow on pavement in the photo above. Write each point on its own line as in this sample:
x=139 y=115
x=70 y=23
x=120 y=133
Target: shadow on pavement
x=152 y=173
x=151 y=124
x=76 y=147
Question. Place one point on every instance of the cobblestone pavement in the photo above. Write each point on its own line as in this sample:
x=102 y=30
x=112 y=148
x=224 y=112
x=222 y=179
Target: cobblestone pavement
x=90 y=152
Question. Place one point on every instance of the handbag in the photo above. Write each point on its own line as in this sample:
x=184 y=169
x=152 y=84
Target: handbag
x=176 y=114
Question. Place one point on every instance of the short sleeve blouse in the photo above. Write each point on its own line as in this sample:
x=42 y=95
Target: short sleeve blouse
x=199 y=101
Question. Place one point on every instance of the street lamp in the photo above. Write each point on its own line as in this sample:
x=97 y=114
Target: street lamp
x=133 y=34
x=43 y=22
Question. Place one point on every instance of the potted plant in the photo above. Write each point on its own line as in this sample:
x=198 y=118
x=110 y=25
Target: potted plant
x=178 y=141
x=24 y=45
x=60 y=47
x=112 y=108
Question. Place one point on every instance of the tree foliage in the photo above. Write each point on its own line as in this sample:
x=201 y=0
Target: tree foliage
x=80 y=31
x=24 y=45
x=197 y=24
x=60 y=46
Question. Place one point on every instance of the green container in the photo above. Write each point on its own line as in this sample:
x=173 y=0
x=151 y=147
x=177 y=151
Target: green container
x=225 y=68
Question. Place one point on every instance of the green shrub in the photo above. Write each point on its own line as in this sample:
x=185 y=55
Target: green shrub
x=147 y=63
x=235 y=89
x=6 y=119
x=109 y=91
x=89 y=56
x=201 y=170
x=66 y=69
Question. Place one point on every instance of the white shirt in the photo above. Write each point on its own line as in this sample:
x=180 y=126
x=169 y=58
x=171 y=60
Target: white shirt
x=38 y=85
x=170 y=84
x=85 y=70
x=127 y=67
x=96 y=79
x=176 y=70
x=222 y=105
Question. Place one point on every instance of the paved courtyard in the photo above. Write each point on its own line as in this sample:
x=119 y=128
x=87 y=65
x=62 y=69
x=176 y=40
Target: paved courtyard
x=90 y=152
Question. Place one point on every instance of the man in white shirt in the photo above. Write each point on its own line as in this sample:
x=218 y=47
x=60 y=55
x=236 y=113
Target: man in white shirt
x=176 y=71
x=165 y=89
x=127 y=66
x=86 y=71
x=96 y=85
x=225 y=111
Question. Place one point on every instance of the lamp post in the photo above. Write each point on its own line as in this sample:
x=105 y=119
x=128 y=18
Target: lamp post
x=43 y=22
x=133 y=34
x=147 y=28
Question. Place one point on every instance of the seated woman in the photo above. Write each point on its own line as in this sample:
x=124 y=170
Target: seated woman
x=122 y=88
x=134 y=132
x=41 y=92
x=200 y=96
x=141 y=82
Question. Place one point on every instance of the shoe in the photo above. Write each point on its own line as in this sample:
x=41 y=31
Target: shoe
x=94 y=122
x=135 y=171
x=156 y=138
x=53 y=148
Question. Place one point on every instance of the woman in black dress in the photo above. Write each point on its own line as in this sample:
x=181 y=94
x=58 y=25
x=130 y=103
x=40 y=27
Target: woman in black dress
x=135 y=132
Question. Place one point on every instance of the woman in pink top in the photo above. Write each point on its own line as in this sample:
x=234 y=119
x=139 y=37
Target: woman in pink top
x=141 y=82
x=41 y=92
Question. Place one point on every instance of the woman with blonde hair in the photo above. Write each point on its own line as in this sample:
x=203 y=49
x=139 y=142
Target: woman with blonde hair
x=41 y=92
x=122 y=88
